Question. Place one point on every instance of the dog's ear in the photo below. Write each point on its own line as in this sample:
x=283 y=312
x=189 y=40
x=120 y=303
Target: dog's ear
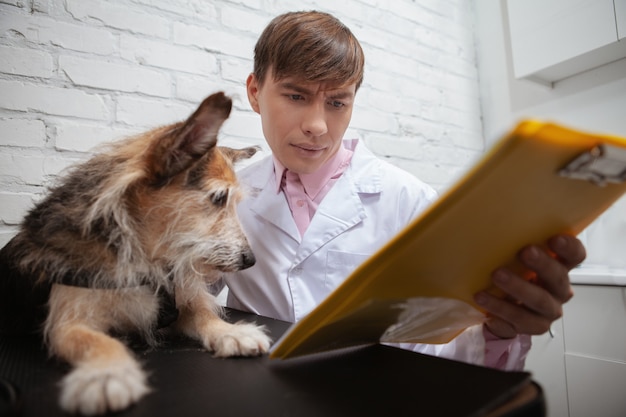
x=238 y=154
x=178 y=149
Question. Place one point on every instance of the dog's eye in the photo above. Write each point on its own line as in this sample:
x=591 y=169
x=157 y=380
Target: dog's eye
x=219 y=198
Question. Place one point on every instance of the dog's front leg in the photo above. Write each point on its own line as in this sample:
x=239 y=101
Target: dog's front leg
x=105 y=376
x=200 y=319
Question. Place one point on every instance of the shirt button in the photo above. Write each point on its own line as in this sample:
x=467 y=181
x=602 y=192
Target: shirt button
x=300 y=203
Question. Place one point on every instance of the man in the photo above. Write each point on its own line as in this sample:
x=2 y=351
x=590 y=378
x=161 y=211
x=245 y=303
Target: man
x=320 y=205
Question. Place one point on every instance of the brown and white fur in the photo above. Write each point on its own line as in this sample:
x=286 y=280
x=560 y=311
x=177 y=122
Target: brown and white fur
x=154 y=214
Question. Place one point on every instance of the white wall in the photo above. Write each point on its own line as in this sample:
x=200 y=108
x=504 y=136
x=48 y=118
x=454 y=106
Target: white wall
x=593 y=101
x=75 y=73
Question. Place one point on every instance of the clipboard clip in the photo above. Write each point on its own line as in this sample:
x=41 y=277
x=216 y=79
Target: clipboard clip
x=600 y=165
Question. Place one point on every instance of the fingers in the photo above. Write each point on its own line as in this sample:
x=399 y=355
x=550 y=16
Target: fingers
x=501 y=328
x=569 y=250
x=551 y=274
x=505 y=329
x=530 y=307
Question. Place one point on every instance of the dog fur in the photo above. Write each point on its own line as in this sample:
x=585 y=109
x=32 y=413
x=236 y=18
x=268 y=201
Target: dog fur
x=152 y=215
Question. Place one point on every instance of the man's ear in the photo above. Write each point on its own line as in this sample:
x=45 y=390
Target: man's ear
x=252 y=87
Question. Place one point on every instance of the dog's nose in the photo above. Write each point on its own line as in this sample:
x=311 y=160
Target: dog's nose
x=247 y=259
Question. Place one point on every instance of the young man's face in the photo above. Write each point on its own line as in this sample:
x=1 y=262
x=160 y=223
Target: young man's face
x=303 y=123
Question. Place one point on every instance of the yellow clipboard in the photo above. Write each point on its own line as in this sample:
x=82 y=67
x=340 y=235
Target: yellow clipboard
x=540 y=180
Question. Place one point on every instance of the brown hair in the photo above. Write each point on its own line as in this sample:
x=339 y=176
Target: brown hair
x=312 y=46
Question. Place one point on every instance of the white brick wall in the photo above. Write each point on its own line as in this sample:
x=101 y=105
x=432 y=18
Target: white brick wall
x=76 y=73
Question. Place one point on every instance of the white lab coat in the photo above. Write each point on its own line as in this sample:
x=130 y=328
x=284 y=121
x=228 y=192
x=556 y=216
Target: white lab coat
x=373 y=200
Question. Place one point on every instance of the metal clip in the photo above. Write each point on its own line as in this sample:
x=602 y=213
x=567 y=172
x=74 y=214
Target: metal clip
x=600 y=165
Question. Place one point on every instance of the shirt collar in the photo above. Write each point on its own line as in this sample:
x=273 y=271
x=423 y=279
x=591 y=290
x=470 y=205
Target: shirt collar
x=279 y=171
x=314 y=182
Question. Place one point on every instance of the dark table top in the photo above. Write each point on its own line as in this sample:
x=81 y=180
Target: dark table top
x=373 y=380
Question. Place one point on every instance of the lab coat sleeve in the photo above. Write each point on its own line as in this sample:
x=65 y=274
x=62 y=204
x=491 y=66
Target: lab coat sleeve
x=506 y=354
x=477 y=346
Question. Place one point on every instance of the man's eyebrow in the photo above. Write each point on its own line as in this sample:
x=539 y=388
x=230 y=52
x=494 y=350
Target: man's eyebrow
x=338 y=94
x=295 y=87
x=342 y=95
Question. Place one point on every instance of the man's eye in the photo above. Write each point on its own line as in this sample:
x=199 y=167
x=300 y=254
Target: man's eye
x=337 y=104
x=296 y=97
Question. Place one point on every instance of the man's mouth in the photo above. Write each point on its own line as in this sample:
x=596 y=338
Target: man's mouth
x=308 y=148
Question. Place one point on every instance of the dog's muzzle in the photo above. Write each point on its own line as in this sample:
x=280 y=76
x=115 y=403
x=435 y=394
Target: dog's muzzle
x=247 y=259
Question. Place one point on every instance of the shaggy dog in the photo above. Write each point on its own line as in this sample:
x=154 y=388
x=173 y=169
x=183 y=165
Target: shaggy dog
x=145 y=225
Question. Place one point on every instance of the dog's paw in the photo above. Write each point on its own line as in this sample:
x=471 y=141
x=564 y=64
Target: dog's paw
x=92 y=390
x=240 y=339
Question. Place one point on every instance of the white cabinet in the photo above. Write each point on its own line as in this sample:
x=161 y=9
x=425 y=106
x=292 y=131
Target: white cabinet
x=620 y=17
x=547 y=363
x=582 y=367
x=595 y=351
x=554 y=39
x=595 y=322
x=595 y=387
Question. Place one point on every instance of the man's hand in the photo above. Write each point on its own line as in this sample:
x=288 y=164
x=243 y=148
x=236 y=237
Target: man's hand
x=530 y=307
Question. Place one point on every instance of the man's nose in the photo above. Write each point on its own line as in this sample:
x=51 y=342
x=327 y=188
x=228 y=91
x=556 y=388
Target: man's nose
x=314 y=122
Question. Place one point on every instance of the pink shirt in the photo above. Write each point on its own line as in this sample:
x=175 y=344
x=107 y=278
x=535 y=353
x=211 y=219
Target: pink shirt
x=305 y=192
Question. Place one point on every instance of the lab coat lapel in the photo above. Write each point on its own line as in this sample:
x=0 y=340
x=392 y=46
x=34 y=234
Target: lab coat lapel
x=343 y=208
x=340 y=210
x=270 y=205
